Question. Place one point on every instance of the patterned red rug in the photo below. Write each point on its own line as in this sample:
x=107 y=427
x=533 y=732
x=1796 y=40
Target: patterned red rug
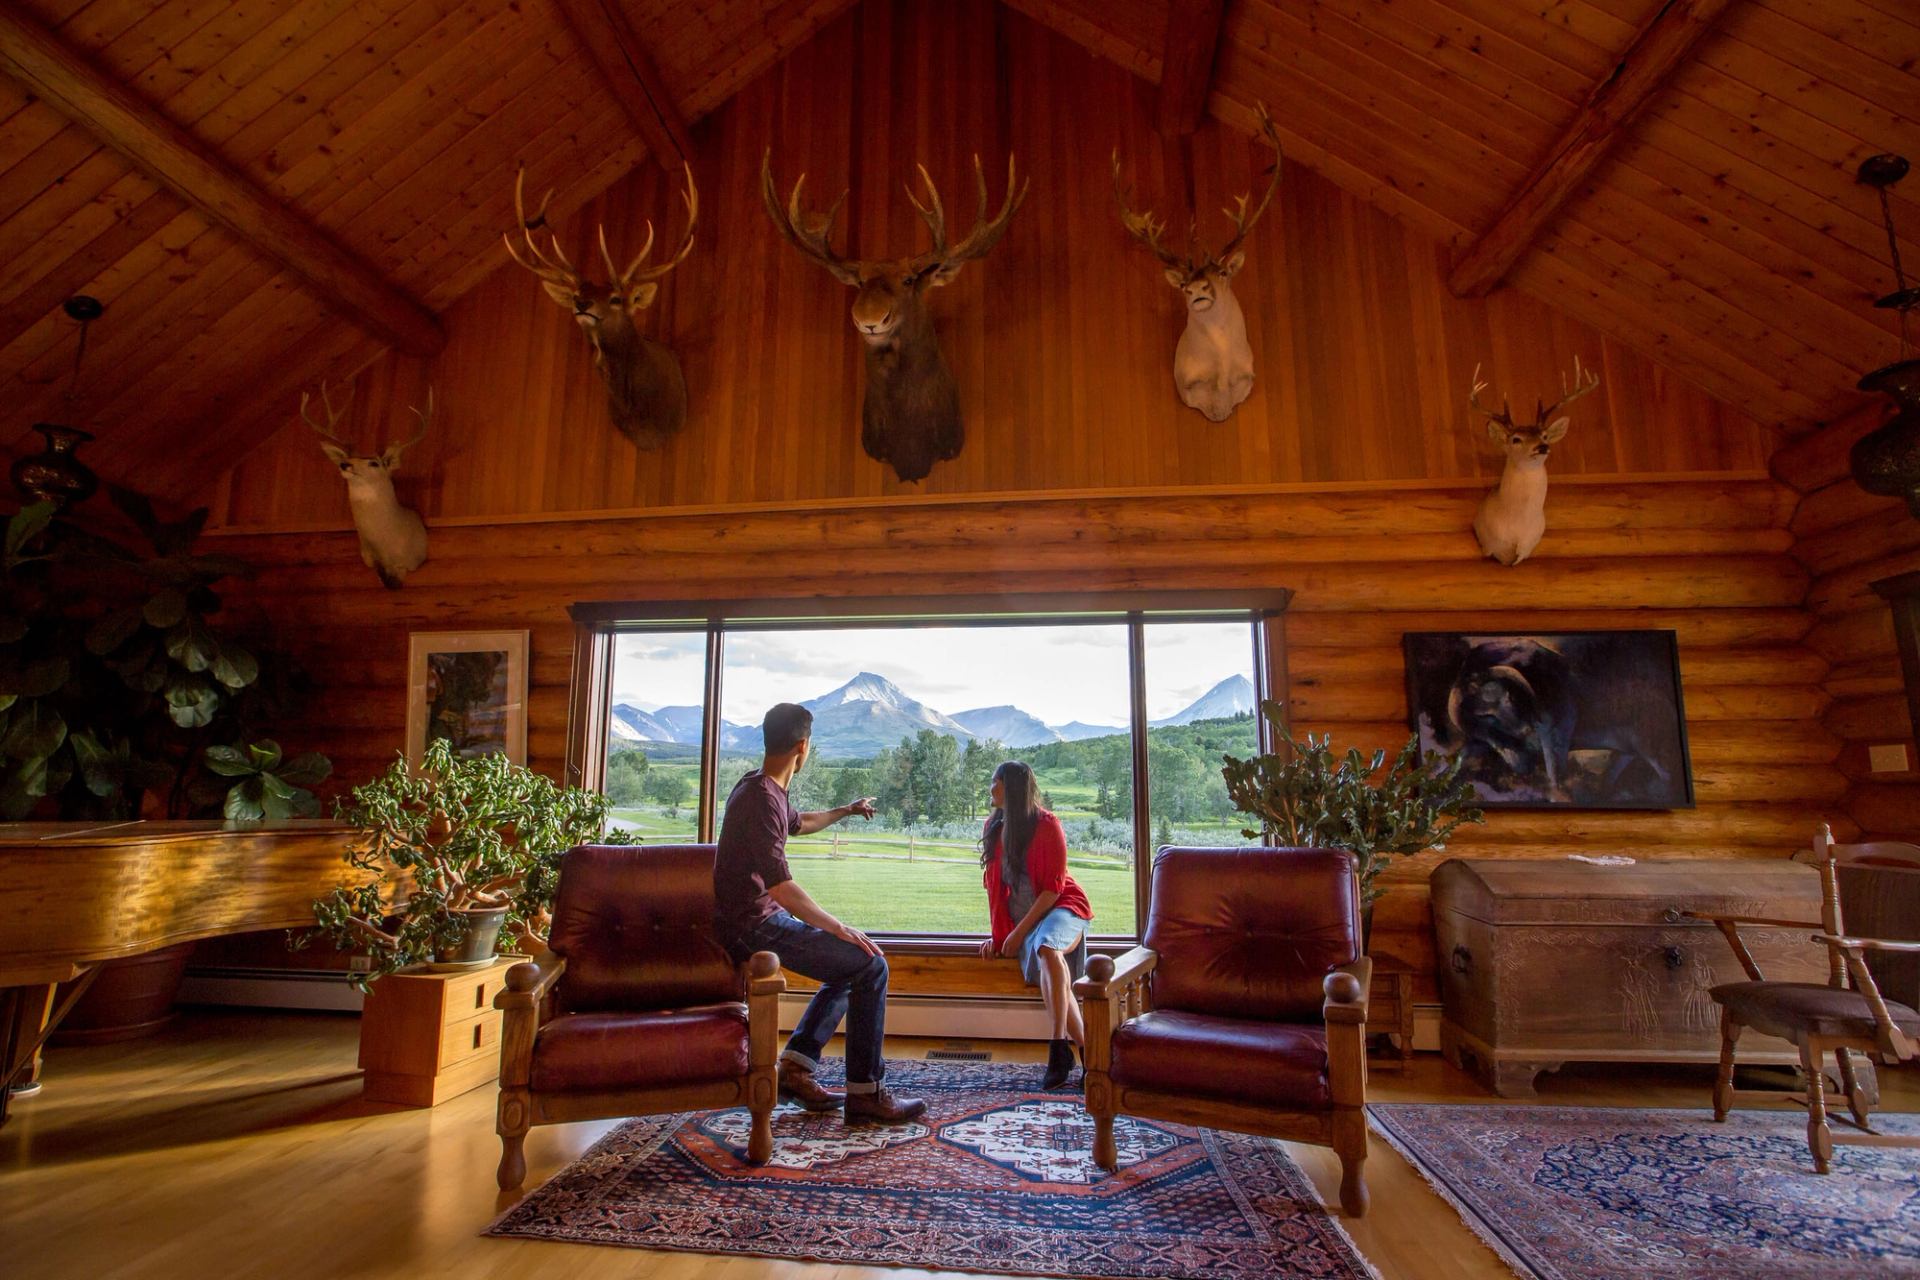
x=996 y=1177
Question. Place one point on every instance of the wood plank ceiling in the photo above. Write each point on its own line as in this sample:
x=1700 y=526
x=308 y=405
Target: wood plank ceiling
x=1724 y=236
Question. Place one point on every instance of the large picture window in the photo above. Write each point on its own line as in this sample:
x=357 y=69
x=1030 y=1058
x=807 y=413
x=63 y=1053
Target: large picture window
x=917 y=709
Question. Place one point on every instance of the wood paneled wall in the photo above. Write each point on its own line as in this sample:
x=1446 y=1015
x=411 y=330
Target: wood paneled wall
x=1709 y=558
x=1062 y=340
x=1849 y=539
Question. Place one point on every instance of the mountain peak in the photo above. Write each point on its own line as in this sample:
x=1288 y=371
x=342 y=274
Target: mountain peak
x=1232 y=696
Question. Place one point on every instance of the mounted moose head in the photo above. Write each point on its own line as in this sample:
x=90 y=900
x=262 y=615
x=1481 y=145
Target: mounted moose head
x=911 y=417
x=1213 y=365
x=393 y=538
x=646 y=392
x=1513 y=517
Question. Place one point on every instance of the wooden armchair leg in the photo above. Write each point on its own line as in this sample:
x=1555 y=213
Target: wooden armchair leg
x=515 y=1119
x=1819 y=1135
x=1100 y=1105
x=1856 y=1099
x=1350 y=1144
x=1723 y=1081
x=761 y=1090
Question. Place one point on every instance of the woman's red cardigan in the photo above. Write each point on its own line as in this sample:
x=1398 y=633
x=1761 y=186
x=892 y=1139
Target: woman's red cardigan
x=1046 y=867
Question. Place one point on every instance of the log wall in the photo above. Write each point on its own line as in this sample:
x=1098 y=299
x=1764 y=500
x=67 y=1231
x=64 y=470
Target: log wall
x=1848 y=539
x=1710 y=559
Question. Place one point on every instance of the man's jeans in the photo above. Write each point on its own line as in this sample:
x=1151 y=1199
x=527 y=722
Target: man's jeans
x=853 y=985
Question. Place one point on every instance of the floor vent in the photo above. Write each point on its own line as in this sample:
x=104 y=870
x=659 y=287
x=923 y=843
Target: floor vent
x=960 y=1055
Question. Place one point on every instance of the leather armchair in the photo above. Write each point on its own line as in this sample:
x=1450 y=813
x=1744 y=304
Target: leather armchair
x=1245 y=1009
x=635 y=1008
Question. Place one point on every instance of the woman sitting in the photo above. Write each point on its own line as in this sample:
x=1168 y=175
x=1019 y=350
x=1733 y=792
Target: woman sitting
x=1036 y=912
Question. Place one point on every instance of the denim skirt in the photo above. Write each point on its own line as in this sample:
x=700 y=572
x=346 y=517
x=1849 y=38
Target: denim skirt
x=1064 y=932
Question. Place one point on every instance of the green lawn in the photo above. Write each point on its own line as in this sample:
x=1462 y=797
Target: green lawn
x=893 y=895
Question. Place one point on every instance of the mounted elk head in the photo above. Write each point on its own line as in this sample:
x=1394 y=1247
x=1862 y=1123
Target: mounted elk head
x=1213 y=365
x=646 y=392
x=911 y=416
x=1513 y=518
x=393 y=538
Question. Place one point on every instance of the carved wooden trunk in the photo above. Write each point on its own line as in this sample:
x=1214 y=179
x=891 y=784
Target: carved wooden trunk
x=1546 y=962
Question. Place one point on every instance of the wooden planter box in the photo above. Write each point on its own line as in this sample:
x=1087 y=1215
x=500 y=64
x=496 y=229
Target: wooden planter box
x=1546 y=962
x=427 y=1037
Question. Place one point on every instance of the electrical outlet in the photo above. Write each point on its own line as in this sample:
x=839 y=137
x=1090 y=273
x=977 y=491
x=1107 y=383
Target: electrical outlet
x=1887 y=757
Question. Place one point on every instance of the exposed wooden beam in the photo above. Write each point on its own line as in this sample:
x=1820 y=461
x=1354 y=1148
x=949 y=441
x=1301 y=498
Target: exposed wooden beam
x=1660 y=48
x=627 y=70
x=158 y=147
x=1186 y=64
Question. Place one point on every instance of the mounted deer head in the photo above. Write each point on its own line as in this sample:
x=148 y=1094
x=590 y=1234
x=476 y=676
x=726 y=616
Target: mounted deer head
x=646 y=392
x=1213 y=365
x=911 y=415
x=393 y=538
x=1513 y=518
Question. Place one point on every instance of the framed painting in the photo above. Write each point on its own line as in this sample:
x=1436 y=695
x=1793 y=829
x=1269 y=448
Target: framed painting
x=1555 y=719
x=469 y=687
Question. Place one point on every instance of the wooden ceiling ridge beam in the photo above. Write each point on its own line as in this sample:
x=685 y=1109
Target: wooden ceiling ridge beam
x=1660 y=48
x=627 y=70
x=1186 y=64
x=133 y=127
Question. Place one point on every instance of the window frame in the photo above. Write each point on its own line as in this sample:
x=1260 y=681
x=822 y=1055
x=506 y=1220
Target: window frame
x=598 y=624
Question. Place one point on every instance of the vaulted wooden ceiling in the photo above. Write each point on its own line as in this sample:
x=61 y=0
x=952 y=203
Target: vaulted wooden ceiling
x=1724 y=235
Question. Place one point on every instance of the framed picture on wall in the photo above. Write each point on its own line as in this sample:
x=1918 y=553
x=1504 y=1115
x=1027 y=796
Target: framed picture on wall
x=1555 y=719
x=469 y=687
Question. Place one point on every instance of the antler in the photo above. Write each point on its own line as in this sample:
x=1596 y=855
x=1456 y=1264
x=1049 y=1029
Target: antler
x=808 y=232
x=1583 y=382
x=1504 y=417
x=426 y=420
x=1143 y=227
x=333 y=415
x=1242 y=222
x=625 y=280
x=559 y=272
x=986 y=232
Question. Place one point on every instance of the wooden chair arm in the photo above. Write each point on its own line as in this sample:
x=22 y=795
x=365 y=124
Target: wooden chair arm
x=521 y=1001
x=763 y=975
x=765 y=983
x=1729 y=927
x=1866 y=944
x=1348 y=989
x=1894 y=1044
x=529 y=981
x=1711 y=918
x=1107 y=977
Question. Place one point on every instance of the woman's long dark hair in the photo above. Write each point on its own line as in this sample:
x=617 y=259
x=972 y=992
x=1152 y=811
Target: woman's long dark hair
x=1013 y=822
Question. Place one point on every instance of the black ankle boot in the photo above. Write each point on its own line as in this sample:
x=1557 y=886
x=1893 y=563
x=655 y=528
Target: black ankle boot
x=1059 y=1064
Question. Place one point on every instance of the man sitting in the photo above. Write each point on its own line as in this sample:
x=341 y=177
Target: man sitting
x=758 y=906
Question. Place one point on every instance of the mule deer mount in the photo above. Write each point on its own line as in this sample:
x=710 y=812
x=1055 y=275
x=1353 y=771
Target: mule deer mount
x=1513 y=518
x=646 y=392
x=393 y=538
x=911 y=416
x=1213 y=365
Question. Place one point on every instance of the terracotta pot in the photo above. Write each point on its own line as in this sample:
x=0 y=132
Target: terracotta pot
x=476 y=949
x=131 y=997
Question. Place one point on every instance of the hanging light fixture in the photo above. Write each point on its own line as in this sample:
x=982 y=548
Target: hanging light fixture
x=54 y=474
x=1886 y=461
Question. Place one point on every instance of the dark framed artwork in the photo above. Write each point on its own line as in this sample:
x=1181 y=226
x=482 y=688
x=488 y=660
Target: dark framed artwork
x=469 y=687
x=1555 y=719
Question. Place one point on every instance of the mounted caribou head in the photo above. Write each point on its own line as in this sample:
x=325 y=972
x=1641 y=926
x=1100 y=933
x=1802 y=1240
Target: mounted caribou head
x=1213 y=365
x=911 y=417
x=393 y=538
x=1513 y=518
x=646 y=392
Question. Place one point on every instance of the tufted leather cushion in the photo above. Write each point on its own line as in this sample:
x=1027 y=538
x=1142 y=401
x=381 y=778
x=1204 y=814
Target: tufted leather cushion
x=1267 y=1064
x=641 y=1050
x=1789 y=1009
x=1251 y=933
x=636 y=927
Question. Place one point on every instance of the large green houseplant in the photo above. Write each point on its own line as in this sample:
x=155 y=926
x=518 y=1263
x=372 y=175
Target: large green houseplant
x=459 y=849
x=1378 y=811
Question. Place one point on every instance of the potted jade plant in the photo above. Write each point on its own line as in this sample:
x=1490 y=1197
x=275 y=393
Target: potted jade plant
x=1377 y=811
x=462 y=851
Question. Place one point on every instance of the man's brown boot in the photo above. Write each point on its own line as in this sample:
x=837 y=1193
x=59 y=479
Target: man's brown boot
x=881 y=1107
x=798 y=1085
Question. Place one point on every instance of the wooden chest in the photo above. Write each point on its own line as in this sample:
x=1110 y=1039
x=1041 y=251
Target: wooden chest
x=1546 y=962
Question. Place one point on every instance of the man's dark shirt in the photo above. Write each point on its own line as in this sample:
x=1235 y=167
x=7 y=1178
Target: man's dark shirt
x=752 y=857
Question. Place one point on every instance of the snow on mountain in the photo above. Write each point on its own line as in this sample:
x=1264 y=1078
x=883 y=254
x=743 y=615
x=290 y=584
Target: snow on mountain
x=634 y=725
x=870 y=712
x=1231 y=697
x=1007 y=724
x=1076 y=730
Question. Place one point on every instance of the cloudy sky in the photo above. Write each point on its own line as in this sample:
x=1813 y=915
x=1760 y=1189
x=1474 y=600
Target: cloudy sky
x=1056 y=673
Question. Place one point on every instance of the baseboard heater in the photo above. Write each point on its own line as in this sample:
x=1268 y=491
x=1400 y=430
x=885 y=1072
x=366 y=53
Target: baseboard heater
x=327 y=989
x=946 y=1017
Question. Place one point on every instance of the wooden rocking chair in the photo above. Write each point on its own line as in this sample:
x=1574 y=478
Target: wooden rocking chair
x=1837 y=1017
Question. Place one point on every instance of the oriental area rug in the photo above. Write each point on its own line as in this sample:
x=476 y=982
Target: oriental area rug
x=1602 y=1193
x=996 y=1177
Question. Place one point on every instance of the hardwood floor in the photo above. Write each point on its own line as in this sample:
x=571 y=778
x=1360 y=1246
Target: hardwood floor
x=236 y=1144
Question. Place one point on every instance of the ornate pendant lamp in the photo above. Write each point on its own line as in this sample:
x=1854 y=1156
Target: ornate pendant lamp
x=54 y=474
x=1886 y=461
